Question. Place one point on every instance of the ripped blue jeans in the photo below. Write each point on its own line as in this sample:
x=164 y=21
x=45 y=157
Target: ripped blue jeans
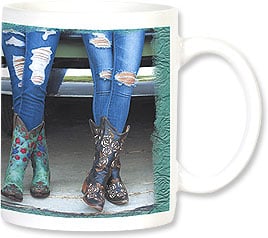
x=29 y=57
x=114 y=58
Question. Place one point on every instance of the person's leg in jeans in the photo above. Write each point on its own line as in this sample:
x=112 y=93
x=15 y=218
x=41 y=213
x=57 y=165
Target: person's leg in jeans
x=104 y=179
x=128 y=47
x=40 y=52
x=29 y=57
x=13 y=45
x=100 y=55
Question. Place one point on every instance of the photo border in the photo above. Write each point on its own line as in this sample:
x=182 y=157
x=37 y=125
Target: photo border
x=160 y=136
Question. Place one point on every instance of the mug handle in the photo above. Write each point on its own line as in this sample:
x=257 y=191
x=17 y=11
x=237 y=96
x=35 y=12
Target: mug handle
x=191 y=48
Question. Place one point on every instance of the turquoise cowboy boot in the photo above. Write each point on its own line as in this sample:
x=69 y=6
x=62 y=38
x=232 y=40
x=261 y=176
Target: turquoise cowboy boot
x=108 y=144
x=23 y=143
x=40 y=187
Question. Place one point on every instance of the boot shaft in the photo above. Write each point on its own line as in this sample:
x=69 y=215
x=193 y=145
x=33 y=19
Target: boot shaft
x=39 y=155
x=23 y=141
x=108 y=144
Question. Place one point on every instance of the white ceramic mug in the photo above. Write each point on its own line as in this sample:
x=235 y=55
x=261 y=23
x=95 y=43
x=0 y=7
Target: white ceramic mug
x=171 y=52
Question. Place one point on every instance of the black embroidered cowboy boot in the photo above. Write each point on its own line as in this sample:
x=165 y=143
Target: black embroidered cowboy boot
x=108 y=144
x=41 y=173
x=116 y=191
x=23 y=144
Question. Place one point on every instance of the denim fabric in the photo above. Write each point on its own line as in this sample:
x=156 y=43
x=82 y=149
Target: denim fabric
x=29 y=56
x=111 y=53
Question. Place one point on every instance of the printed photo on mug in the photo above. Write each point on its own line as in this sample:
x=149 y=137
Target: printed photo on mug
x=115 y=59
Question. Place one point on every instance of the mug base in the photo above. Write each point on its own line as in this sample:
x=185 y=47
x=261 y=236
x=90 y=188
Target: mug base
x=87 y=224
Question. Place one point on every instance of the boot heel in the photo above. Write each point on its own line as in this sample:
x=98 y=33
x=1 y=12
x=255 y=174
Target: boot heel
x=84 y=187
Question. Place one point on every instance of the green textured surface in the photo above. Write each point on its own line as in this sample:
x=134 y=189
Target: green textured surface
x=161 y=135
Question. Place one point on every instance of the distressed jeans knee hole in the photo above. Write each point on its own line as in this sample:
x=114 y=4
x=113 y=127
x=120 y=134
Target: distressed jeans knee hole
x=126 y=78
x=100 y=41
x=40 y=60
x=105 y=74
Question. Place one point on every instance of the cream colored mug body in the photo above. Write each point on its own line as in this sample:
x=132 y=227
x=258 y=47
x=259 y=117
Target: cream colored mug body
x=169 y=53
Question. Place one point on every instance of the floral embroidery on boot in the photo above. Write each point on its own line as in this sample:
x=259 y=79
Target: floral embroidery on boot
x=23 y=143
x=108 y=144
x=40 y=187
x=116 y=191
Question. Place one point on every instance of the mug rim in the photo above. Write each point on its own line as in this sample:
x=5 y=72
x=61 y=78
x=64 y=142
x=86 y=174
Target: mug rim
x=101 y=15
x=72 y=6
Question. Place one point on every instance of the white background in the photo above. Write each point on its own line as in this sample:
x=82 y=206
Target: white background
x=211 y=125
